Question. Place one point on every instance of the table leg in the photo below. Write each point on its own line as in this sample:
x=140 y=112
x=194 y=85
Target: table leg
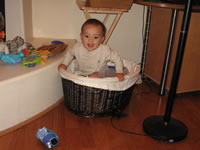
x=106 y=18
x=87 y=15
x=145 y=40
x=168 y=53
x=115 y=21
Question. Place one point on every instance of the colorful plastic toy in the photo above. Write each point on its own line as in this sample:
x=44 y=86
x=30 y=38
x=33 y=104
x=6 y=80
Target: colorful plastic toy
x=57 y=42
x=2 y=24
x=26 y=52
x=32 y=60
x=48 y=137
x=2 y=35
x=43 y=53
x=12 y=58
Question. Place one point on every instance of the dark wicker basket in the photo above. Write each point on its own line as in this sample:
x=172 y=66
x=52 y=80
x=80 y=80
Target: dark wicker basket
x=94 y=102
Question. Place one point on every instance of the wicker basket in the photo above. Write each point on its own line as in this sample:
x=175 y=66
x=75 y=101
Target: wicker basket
x=88 y=101
x=98 y=96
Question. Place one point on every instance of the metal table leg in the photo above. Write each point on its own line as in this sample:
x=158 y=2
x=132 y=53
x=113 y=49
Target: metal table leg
x=168 y=53
x=145 y=40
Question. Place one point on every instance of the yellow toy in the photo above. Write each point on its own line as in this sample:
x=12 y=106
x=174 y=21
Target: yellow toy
x=2 y=35
x=43 y=53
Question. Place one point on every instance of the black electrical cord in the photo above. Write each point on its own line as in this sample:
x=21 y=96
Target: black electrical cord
x=134 y=133
x=125 y=131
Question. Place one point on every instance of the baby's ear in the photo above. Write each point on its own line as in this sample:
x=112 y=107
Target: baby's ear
x=81 y=36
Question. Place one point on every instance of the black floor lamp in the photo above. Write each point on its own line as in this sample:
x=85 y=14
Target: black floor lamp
x=164 y=127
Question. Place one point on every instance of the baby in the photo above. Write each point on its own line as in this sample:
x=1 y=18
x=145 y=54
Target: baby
x=91 y=56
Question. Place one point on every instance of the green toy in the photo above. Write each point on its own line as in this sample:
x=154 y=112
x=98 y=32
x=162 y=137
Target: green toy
x=32 y=60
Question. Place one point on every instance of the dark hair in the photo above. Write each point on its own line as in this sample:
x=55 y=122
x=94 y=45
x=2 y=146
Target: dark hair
x=95 y=22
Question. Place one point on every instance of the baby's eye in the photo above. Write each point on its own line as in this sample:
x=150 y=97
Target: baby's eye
x=96 y=37
x=86 y=36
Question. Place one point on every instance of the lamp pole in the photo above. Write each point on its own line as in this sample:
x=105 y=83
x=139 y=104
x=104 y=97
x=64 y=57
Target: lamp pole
x=164 y=127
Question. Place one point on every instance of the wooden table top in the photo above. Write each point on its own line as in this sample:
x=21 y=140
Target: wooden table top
x=158 y=3
x=122 y=5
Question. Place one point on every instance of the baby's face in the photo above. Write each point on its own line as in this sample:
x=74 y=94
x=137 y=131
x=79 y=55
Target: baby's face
x=92 y=36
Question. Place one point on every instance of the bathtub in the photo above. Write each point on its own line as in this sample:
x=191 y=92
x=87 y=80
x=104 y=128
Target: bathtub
x=27 y=92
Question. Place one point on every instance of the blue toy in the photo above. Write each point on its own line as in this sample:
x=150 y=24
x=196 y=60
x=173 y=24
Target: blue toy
x=57 y=42
x=12 y=58
x=48 y=137
x=111 y=67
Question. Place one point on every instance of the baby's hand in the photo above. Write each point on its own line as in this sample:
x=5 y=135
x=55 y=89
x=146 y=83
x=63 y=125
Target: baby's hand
x=120 y=76
x=94 y=75
x=62 y=66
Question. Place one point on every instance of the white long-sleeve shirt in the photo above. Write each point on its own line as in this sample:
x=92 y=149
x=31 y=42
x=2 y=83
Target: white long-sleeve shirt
x=92 y=61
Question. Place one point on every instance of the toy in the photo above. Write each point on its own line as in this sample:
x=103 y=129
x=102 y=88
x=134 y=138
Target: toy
x=2 y=24
x=48 y=137
x=2 y=35
x=26 y=52
x=3 y=47
x=15 y=45
x=43 y=53
x=54 y=49
x=31 y=60
x=57 y=42
x=12 y=58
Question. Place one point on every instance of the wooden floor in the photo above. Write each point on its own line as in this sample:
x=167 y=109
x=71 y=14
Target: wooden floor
x=78 y=133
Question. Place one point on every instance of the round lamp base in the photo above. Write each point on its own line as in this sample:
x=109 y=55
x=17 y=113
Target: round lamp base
x=173 y=131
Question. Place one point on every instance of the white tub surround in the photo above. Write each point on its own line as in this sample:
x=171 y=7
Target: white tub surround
x=26 y=92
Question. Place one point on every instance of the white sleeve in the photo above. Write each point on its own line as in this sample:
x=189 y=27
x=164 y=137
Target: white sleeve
x=69 y=56
x=116 y=59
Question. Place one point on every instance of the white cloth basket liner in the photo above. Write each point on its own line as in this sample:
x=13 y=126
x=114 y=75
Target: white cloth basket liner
x=108 y=83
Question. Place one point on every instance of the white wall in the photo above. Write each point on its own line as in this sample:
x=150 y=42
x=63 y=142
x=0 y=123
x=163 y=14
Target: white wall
x=63 y=19
x=28 y=24
x=14 y=19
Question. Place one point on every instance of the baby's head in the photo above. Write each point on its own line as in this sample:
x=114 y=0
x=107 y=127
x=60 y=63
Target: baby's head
x=92 y=34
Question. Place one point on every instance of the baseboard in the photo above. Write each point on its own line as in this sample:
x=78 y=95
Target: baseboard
x=13 y=128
